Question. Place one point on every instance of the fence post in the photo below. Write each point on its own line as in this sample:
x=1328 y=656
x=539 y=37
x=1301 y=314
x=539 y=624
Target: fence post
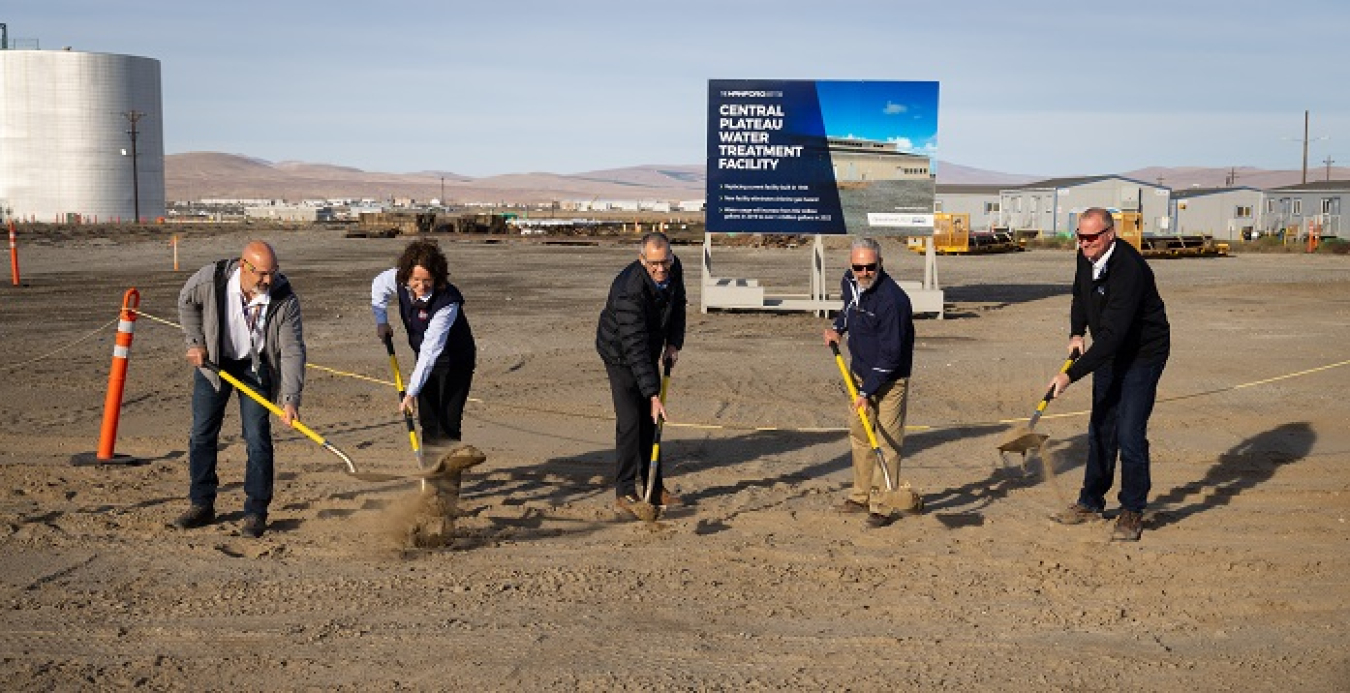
x=117 y=379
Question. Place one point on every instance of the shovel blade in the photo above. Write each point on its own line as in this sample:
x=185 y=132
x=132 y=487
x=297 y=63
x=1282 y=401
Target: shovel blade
x=1024 y=442
x=646 y=511
x=903 y=499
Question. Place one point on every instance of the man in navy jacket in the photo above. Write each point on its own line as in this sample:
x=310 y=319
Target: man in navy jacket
x=1116 y=298
x=879 y=322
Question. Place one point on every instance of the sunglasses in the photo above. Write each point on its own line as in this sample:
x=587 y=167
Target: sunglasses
x=667 y=262
x=1090 y=237
x=869 y=267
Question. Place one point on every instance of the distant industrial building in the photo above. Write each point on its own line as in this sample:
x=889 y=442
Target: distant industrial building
x=1309 y=208
x=81 y=136
x=1227 y=214
x=1052 y=206
x=289 y=213
x=981 y=202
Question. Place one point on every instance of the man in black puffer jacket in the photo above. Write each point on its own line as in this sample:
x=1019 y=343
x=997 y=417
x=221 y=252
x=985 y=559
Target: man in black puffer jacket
x=642 y=325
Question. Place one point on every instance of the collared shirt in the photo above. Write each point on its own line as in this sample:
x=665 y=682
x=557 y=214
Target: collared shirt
x=244 y=321
x=382 y=289
x=1100 y=265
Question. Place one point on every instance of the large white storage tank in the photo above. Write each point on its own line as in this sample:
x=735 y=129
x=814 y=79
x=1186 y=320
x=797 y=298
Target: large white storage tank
x=65 y=136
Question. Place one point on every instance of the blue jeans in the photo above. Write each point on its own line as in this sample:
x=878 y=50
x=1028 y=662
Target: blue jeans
x=208 y=411
x=1122 y=401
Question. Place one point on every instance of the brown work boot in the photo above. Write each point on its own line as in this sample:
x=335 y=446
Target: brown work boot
x=1129 y=526
x=850 y=506
x=196 y=516
x=1076 y=514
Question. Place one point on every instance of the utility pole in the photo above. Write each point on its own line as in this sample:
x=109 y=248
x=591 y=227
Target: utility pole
x=1305 y=146
x=1232 y=178
x=442 y=191
x=1328 y=161
x=1306 y=140
x=134 y=117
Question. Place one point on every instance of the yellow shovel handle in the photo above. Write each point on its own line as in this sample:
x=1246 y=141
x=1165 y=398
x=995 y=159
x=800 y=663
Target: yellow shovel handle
x=853 y=394
x=295 y=423
x=398 y=383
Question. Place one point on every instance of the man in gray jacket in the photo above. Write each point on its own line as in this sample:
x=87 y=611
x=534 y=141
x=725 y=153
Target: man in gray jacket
x=242 y=316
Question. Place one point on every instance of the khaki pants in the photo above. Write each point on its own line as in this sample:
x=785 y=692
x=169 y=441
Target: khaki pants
x=886 y=411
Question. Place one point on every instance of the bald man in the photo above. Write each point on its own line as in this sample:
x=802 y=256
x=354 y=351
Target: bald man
x=241 y=314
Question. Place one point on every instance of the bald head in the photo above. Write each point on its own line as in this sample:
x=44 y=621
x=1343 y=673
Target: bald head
x=258 y=264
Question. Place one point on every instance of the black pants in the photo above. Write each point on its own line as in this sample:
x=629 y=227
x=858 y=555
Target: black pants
x=633 y=434
x=440 y=404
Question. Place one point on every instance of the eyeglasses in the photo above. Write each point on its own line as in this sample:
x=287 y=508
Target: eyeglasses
x=869 y=267
x=1090 y=237
x=249 y=266
x=667 y=262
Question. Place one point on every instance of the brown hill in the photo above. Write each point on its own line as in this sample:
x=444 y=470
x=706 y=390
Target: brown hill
x=199 y=175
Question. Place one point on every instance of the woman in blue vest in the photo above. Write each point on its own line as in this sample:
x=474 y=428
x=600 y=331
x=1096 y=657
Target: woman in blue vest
x=432 y=310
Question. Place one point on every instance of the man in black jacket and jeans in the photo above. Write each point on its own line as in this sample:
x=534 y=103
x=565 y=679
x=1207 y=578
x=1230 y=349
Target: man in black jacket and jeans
x=1116 y=297
x=641 y=326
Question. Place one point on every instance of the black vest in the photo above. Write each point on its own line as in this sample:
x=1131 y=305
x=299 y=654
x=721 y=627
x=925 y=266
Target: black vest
x=459 y=346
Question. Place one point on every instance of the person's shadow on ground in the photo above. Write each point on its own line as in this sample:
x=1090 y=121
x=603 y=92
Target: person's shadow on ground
x=1244 y=466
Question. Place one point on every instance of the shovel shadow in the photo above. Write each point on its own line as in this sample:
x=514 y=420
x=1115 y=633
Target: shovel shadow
x=1011 y=473
x=587 y=478
x=582 y=477
x=1243 y=467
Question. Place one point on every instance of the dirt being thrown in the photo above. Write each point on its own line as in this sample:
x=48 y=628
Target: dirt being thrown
x=426 y=518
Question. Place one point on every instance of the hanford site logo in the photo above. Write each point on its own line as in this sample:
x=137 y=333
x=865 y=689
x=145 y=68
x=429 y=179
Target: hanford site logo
x=743 y=94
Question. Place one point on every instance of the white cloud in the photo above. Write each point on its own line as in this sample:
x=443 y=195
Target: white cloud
x=905 y=144
x=893 y=108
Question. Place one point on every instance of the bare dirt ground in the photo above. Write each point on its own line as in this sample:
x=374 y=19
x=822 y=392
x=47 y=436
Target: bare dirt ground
x=1242 y=579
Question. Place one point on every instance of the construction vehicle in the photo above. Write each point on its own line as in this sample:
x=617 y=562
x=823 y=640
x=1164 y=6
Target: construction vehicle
x=1129 y=227
x=952 y=236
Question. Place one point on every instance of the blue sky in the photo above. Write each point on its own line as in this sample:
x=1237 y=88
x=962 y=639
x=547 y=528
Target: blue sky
x=905 y=113
x=515 y=86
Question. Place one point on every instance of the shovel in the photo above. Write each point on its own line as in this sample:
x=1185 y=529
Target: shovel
x=1025 y=440
x=644 y=508
x=407 y=416
x=901 y=498
x=308 y=433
